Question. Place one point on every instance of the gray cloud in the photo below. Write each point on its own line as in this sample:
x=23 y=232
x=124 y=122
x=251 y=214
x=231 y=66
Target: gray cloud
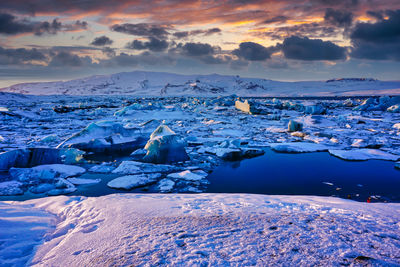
x=197 y=49
x=66 y=59
x=300 y=48
x=378 y=41
x=101 y=41
x=253 y=51
x=11 y=25
x=143 y=29
x=154 y=44
x=20 y=56
x=341 y=18
x=185 y=34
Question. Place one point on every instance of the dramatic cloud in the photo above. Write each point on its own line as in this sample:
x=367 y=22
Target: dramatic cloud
x=252 y=51
x=154 y=44
x=185 y=34
x=378 y=41
x=20 y=56
x=101 y=41
x=10 y=25
x=66 y=59
x=197 y=49
x=339 y=18
x=300 y=48
x=142 y=29
x=311 y=30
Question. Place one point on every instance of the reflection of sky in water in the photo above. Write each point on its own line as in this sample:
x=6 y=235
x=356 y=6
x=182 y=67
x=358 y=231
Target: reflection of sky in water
x=305 y=174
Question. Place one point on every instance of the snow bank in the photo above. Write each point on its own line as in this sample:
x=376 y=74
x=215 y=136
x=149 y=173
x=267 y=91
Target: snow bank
x=202 y=229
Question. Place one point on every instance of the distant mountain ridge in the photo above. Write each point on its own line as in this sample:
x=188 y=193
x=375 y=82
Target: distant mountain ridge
x=142 y=83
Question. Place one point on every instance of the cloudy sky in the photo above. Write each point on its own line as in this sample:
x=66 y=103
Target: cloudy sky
x=287 y=40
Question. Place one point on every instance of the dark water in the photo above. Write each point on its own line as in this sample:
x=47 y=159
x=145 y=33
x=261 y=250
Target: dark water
x=281 y=174
x=305 y=174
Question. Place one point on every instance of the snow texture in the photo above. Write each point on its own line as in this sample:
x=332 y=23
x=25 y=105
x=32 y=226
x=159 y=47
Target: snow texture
x=199 y=230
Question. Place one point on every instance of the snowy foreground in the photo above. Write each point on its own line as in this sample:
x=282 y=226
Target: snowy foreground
x=198 y=230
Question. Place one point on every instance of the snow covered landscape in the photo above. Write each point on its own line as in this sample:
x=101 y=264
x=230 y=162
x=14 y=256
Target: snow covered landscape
x=95 y=170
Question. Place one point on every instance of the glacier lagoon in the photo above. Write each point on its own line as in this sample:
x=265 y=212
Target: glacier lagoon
x=274 y=173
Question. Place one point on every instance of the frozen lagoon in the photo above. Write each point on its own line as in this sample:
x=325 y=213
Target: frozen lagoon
x=274 y=173
x=201 y=229
x=214 y=131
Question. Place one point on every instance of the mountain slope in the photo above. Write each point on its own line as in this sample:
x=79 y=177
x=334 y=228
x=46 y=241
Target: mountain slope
x=142 y=83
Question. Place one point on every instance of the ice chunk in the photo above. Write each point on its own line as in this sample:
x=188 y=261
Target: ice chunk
x=11 y=188
x=135 y=167
x=317 y=109
x=62 y=187
x=250 y=107
x=23 y=158
x=132 y=181
x=294 y=126
x=105 y=136
x=165 y=146
x=165 y=185
x=80 y=181
x=42 y=188
x=298 y=147
x=188 y=175
x=363 y=154
x=49 y=138
x=45 y=172
x=102 y=168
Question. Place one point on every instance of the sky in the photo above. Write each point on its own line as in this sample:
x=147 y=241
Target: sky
x=288 y=40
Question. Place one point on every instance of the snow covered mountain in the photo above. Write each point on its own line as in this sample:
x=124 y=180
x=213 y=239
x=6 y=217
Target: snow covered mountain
x=140 y=83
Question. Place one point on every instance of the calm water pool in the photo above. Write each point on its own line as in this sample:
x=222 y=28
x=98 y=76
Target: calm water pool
x=282 y=174
x=308 y=174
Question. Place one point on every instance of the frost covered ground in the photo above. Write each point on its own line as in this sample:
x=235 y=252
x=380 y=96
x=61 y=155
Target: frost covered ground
x=199 y=230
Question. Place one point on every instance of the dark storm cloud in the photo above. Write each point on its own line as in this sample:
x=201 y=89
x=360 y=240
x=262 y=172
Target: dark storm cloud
x=185 y=34
x=20 y=56
x=101 y=41
x=10 y=25
x=341 y=18
x=154 y=44
x=197 y=49
x=142 y=29
x=66 y=59
x=252 y=51
x=378 y=41
x=300 y=48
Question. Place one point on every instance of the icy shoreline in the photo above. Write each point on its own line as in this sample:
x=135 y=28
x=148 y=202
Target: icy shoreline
x=200 y=229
